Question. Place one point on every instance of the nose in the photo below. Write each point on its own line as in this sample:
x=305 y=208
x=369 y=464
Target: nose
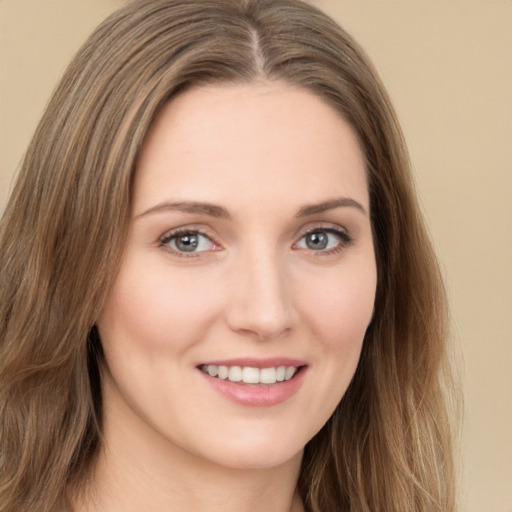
x=260 y=304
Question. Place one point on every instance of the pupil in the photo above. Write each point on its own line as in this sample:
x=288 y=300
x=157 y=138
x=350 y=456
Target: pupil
x=316 y=241
x=187 y=243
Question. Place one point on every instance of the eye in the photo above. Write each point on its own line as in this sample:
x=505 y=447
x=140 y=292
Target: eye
x=326 y=240
x=188 y=242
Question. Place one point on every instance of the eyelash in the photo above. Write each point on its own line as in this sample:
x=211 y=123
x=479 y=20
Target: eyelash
x=345 y=240
x=168 y=237
x=344 y=237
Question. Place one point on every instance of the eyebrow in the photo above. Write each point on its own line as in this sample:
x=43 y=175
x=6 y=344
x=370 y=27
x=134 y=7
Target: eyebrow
x=220 y=212
x=209 y=209
x=330 y=205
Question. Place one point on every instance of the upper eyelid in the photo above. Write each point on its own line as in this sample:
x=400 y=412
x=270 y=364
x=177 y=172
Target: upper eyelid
x=319 y=226
x=341 y=233
x=299 y=234
x=165 y=239
x=184 y=230
x=325 y=228
x=345 y=241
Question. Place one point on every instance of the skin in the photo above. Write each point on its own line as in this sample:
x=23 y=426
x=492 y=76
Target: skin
x=254 y=288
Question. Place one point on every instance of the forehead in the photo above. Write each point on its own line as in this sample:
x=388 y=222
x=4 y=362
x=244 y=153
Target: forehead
x=252 y=142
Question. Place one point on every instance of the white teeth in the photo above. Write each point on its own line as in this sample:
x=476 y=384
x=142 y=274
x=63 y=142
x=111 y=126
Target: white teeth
x=289 y=372
x=235 y=374
x=268 y=375
x=250 y=375
x=223 y=372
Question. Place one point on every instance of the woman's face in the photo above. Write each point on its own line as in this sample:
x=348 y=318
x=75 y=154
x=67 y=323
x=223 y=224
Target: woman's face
x=250 y=257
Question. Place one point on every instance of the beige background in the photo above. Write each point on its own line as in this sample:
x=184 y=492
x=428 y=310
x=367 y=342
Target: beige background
x=448 y=67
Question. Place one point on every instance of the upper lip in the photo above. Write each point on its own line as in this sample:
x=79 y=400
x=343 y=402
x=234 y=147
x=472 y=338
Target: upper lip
x=252 y=362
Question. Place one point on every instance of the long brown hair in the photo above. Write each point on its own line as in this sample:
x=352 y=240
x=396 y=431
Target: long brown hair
x=387 y=446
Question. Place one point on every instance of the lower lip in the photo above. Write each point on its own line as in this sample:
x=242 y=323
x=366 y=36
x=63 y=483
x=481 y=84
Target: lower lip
x=257 y=395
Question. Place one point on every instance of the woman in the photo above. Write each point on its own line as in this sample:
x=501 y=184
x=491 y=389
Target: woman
x=217 y=290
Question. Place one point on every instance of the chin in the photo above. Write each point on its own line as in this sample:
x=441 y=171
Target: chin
x=258 y=457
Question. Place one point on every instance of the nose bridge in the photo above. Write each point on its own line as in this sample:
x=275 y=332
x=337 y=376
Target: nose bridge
x=260 y=302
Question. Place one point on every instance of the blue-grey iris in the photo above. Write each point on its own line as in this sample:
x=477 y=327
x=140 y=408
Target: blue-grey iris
x=317 y=241
x=187 y=243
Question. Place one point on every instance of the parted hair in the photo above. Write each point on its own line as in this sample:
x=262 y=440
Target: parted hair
x=388 y=445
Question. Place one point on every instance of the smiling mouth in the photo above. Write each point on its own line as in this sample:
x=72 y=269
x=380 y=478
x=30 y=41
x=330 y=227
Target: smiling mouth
x=251 y=375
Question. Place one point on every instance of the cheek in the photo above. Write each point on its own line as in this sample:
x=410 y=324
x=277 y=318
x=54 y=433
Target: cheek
x=337 y=310
x=340 y=307
x=157 y=311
